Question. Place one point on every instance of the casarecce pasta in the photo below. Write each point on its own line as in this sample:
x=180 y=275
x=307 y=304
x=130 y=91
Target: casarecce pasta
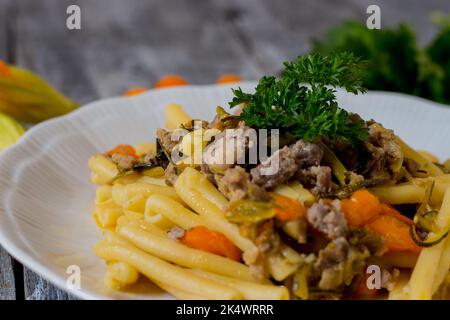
x=308 y=230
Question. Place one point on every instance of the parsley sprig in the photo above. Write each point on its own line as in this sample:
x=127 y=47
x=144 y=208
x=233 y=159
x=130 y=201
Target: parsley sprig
x=303 y=101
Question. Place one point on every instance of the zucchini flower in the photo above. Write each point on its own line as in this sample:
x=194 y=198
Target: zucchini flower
x=28 y=98
x=10 y=131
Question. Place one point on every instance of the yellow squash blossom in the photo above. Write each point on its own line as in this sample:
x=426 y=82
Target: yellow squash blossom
x=10 y=131
x=26 y=97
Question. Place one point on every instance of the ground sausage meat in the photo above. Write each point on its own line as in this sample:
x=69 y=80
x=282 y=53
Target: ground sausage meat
x=285 y=162
x=123 y=162
x=337 y=264
x=167 y=140
x=309 y=153
x=386 y=152
x=235 y=184
x=316 y=178
x=276 y=169
x=327 y=217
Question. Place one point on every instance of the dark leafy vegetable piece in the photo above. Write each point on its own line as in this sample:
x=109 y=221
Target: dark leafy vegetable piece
x=161 y=159
x=425 y=238
x=225 y=120
x=339 y=171
x=362 y=237
x=194 y=124
x=346 y=190
x=250 y=211
x=424 y=231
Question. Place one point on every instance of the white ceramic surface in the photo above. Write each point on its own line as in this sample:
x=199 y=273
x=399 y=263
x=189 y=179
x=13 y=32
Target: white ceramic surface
x=45 y=194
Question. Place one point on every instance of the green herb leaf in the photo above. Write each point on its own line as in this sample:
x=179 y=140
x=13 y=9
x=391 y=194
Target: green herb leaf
x=302 y=102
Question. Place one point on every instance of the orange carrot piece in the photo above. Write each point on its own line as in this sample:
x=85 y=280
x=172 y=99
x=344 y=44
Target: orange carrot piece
x=361 y=208
x=134 y=91
x=288 y=209
x=170 y=80
x=395 y=233
x=228 y=78
x=215 y=242
x=124 y=150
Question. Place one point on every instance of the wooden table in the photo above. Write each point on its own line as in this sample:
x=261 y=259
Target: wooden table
x=132 y=43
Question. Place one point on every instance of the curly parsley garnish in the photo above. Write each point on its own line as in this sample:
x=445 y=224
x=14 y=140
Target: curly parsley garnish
x=303 y=101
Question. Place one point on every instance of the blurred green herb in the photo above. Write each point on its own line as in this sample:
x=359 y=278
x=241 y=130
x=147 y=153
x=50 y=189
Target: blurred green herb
x=395 y=62
x=303 y=100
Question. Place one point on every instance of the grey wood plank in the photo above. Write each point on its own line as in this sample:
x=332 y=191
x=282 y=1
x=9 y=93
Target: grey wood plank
x=6 y=23
x=45 y=47
x=7 y=283
x=3 y=33
x=135 y=43
x=37 y=288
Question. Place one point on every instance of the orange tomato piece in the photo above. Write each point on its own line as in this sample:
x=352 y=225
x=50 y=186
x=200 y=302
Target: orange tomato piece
x=123 y=149
x=287 y=208
x=395 y=233
x=170 y=80
x=215 y=242
x=4 y=69
x=390 y=211
x=134 y=91
x=361 y=208
x=228 y=78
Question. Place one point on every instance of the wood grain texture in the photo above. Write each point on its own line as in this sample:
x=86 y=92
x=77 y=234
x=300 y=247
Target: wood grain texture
x=132 y=43
x=7 y=283
x=37 y=288
x=3 y=33
x=7 y=24
x=46 y=46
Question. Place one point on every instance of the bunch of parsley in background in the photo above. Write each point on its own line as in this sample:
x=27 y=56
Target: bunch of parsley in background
x=395 y=62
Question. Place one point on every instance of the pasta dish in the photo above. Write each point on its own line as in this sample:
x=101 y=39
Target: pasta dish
x=287 y=196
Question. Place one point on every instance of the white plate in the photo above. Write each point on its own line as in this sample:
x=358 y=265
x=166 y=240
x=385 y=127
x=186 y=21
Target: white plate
x=45 y=194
